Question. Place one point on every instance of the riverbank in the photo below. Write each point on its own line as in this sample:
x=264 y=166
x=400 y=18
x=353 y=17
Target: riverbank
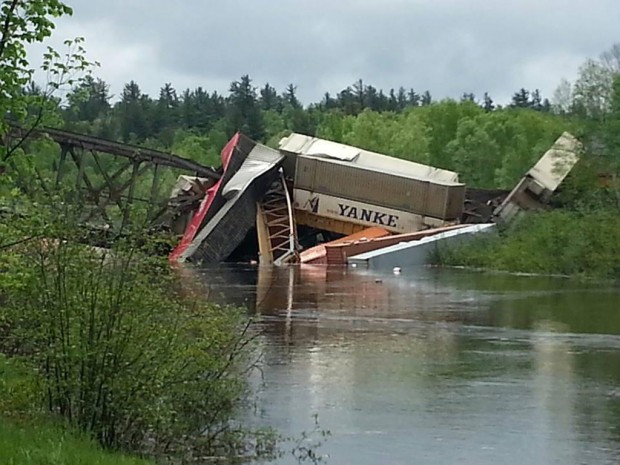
x=551 y=243
x=37 y=442
x=111 y=347
x=29 y=437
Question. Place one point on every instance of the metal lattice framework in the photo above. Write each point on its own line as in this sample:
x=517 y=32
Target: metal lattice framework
x=108 y=175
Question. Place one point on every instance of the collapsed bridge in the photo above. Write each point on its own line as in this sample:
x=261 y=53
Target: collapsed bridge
x=336 y=189
x=277 y=204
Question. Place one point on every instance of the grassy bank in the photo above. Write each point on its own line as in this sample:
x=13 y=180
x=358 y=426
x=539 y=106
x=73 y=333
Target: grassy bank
x=35 y=443
x=555 y=242
x=120 y=351
x=28 y=437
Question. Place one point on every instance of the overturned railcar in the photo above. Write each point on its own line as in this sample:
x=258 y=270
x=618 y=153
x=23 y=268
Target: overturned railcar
x=542 y=180
x=343 y=189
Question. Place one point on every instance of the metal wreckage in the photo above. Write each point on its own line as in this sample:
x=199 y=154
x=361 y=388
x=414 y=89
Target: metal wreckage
x=318 y=201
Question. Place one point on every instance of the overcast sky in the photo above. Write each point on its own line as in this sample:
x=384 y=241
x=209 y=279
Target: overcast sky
x=446 y=46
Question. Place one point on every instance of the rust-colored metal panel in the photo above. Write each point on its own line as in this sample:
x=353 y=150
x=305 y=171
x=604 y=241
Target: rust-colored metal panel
x=327 y=224
x=317 y=255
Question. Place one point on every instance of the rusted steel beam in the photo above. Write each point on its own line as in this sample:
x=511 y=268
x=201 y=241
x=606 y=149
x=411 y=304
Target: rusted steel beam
x=110 y=179
x=61 y=163
x=154 y=192
x=134 y=153
x=81 y=167
x=132 y=186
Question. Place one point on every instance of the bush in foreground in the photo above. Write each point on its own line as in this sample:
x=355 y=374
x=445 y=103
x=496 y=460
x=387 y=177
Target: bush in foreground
x=122 y=355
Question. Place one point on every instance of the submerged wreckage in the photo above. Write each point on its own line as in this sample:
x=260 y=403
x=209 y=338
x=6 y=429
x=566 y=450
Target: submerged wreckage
x=275 y=203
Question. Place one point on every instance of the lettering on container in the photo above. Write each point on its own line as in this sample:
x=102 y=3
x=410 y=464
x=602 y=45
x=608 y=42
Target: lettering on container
x=368 y=215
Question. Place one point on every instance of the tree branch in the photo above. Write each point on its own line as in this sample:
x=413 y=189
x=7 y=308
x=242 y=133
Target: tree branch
x=7 y=24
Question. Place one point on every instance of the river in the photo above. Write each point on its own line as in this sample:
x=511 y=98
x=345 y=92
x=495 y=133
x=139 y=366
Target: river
x=436 y=366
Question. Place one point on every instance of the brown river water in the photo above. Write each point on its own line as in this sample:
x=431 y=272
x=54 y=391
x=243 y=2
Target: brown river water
x=435 y=366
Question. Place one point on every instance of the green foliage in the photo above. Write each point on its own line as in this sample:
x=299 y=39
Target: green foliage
x=44 y=444
x=556 y=242
x=28 y=437
x=24 y=22
x=202 y=149
x=243 y=113
x=18 y=388
x=121 y=352
x=488 y=149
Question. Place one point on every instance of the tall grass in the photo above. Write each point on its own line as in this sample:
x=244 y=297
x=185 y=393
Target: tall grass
x=28 y=437
x=44 y=444
x=554 y=242
x=121 y=354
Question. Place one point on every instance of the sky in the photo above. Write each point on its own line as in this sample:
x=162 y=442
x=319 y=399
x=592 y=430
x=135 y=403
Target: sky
x=446 y=46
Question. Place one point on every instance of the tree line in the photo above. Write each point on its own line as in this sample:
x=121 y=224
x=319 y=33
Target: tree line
x=197 y=122
x=259 y=112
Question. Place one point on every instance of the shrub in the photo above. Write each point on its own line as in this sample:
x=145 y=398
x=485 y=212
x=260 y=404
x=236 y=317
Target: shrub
x=554 y=242
x=122 y=355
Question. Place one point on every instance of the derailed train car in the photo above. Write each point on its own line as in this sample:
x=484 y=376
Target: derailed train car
x=318 y=183
x=265 y=194
x=341 y=188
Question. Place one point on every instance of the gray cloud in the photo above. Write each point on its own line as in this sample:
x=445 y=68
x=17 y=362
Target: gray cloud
x=446 y=46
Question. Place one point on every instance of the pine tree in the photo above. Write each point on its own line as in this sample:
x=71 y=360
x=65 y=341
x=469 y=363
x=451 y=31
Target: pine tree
x=89 y=100
x=487 y=103
x=290 y=96
x=269 y=99
x=426 y=98
x=359 y=92
x=401 y=98
x=536 y=101
x=372 y=100
x=133 y=109
x=413 y=99
x=165 y=114
x=521 y=99
x=243 y=110
x=392 y=101
x=347 y=102
x=328 y=102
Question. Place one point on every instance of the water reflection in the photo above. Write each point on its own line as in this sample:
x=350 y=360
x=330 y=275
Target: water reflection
x=436 y=366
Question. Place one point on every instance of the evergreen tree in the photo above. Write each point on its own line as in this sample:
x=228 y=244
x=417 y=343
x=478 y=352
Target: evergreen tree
x=243 y=109
x=132 y=109
x=536 y=101
x=382 y=101
x=89 y=100
x=401 y=98
x=521 y=99
x=392 y=101
x=487 y=103
x=348 y=102
x=426 y=98
x=33 y=89
x=290 y=96
x=165 y=113
x=359 y=92
x=413 y=99
x=328 y=102
x=269 y=99
x=372 y=99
